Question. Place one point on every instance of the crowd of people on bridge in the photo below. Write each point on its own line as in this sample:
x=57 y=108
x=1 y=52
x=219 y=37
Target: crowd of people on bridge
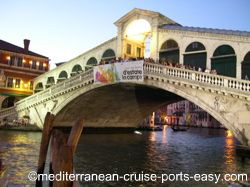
x=161 y=61
x=188 y=66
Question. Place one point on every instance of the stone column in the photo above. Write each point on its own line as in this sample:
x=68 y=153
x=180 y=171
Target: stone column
x=119 y=41
x=209 y=56
x=182 y=51
x=154 y=52
x=239 y=60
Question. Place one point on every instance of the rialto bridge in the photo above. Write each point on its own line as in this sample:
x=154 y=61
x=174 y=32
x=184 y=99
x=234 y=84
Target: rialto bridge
x=69 y=91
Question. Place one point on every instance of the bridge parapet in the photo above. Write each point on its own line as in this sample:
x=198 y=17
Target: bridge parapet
x=226 y=84
x=57 y=89
x=195 y=79
x=8 y=112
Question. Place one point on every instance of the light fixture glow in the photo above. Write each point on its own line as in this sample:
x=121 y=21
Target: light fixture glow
x=25 y=85
x=229 y=134
x=138 y=30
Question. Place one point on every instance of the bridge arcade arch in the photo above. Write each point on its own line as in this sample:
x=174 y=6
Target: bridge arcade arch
x=76 y=70
x=90 y=63
x=39 y=87
x=170 y=52
x=196 y=55
x=224 y=61
x=137 y=36
x=108 y=55
x=62 y=76
x=8 y=102
x=245 y=67
x=50 y=82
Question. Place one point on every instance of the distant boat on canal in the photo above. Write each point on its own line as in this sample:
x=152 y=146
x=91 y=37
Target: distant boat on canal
x=19 y=127
x=177 y=128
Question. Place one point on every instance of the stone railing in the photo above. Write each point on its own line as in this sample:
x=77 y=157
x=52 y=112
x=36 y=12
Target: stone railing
x=58 y=88
x=202 y=78
x=181 y=74
x=8 y=112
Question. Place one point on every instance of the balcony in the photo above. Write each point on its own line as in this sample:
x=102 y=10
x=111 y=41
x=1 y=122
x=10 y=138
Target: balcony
x=15 y=91
x=23 y=68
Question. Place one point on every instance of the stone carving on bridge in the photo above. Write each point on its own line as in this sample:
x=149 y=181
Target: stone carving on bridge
x=221 y=104
x=248 y=106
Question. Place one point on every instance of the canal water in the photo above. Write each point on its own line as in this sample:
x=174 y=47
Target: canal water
x=201 y=151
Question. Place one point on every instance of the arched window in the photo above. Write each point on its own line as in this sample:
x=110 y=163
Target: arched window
x=90 y=63
x=245 y=67
x=224 y=61
x=170 y=52
x=223 y=50
x=108 y=55
x=62 y=76
x=169 y=44
x=8 y=102
x=39 y=87
x=50 y=82
x=195 y=46
x=195 y=56
x=76 y=70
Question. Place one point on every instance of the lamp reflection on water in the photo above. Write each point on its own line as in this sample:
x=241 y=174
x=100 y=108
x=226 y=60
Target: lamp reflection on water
x=152 y=136
x=229 y=153
x=164 y=134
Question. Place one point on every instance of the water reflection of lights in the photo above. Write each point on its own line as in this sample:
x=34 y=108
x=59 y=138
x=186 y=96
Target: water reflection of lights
x=229 y=153
x=20 y=153
x=152 y=136
x=164 y=134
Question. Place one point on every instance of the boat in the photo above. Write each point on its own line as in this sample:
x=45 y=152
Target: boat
x=177 y=128
x=20 y=128
x=155 y=128
x=138 y=132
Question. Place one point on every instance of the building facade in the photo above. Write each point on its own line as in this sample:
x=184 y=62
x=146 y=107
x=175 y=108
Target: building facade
x=18 y=67
x=187 y=113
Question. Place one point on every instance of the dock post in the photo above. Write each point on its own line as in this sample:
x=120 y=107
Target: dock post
x=47 y=129
x=75 y=134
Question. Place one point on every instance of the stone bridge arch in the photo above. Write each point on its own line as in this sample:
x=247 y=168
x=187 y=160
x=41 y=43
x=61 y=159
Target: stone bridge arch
x=113 y=103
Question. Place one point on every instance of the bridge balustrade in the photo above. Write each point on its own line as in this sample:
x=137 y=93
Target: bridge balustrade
x=7 y=111
x=201 y=78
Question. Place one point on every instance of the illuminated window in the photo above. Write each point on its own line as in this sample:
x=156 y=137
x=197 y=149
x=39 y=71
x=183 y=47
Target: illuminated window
x=40 y=66
x=19 y=62
x=138 y=52
x=31 y=85
x=33 y=66
x=18 y=82
x=12 y=61
x=129 y=49
x=10 y=82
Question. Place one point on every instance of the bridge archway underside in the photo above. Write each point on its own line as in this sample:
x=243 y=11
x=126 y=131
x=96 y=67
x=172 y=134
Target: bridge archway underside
x=116 y=105
x=124 y=105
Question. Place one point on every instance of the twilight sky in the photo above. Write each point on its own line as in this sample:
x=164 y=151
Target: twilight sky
x=63 y=29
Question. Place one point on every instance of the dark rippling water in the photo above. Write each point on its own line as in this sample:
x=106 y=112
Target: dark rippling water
x=194 y=151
